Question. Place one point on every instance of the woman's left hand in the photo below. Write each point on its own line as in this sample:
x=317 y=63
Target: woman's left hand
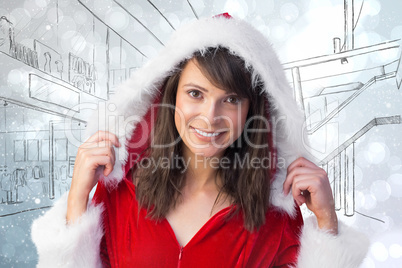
x=310 y=185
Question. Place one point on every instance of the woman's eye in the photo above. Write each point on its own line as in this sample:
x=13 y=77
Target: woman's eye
x=194 y=93
x=233 y=99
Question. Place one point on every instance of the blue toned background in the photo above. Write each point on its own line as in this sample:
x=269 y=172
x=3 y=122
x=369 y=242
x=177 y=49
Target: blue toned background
x=59 y=58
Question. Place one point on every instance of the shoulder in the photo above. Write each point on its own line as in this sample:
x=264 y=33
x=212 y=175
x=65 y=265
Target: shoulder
x=116 y=202
x=277 y=241
x=124 y=192
x=281 y=222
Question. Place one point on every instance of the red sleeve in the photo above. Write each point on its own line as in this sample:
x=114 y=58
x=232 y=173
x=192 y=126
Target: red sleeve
x=290 y=243
x=116 y=202
x=98 y=198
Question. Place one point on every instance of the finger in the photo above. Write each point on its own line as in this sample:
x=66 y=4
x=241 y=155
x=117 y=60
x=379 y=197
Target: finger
x=287 y=184
x=104 y=150
x=106 y=144
x=291 y=175
x=306 y=183
x=96 y=148
x=103 y=160
x=108 y=168
x=95 y=142
x=301 y=173
x=300 y=199
x=104 y=136
x=300 y=190
x=298 y=194
x=95 y=161
x=301 y=162
x=307 y=171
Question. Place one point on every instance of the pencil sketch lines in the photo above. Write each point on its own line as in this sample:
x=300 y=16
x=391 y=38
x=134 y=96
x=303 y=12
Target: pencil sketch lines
x=192 y=9
x=24 y=54
x=349 y=25
x=49 y=111
x=111 y=29
x=373 y=123
x=25 y=210
x=358 y=16
x=157 y=9
x=41 y=57
x=357 y=212
x=117 y=77
x=323 y=70
x=393 y=44
x=341 y=106
x=6 y=34
x=340 y=165
x=399 y=73
x=50 y=92
x=148 y=30
x=49 y=60
x=16 y=50
x=81 y=74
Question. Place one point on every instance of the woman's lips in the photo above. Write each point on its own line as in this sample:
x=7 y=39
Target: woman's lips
x=207 y=136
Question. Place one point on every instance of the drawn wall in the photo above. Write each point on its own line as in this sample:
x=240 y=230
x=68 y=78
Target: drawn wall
x=60 y=58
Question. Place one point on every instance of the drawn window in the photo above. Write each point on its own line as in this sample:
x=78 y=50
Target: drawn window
x=19 y=150
x=33 y=150
x=44 y=150
x=71 y=161
x=61 y=149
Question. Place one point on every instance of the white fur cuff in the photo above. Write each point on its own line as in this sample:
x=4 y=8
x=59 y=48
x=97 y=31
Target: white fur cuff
x=321 y=249
x=73 y=245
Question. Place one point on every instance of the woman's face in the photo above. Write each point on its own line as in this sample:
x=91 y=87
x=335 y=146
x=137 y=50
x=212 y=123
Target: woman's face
x=208 y=118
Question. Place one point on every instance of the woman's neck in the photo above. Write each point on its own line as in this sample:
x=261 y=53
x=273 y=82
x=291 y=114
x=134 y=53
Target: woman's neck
x=202 y=172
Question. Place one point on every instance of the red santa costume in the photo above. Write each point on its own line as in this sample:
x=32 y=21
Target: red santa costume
x=115 y=232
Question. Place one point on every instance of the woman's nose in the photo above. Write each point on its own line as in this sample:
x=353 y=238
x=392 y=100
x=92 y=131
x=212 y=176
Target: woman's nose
x=212 y=112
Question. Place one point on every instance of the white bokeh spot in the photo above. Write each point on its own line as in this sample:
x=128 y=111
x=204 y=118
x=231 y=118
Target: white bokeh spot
x=289 y=12
x=381 y=190
x=395 y=181
x=375 y=153
x=379 y=251
x=236 y=8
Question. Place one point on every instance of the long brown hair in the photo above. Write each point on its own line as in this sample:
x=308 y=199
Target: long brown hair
x=158 y=189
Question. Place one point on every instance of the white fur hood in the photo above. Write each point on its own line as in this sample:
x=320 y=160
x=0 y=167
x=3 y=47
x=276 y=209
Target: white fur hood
x=121 y=114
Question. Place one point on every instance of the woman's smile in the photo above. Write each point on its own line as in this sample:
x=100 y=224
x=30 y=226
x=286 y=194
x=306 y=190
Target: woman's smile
x=207 y=136
x=207 y=118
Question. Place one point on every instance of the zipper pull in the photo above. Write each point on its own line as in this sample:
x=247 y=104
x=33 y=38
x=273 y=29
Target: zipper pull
x=181 y=253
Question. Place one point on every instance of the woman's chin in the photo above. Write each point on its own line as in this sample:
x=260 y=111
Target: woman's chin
x=201 y=152
x=208 y=154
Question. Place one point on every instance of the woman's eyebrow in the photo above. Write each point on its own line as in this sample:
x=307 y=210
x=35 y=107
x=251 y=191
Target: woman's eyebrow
x=196 y=86
x=206 y=90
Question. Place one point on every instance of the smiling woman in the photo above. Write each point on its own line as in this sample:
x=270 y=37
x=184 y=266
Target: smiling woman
x=206 y=183
x=212 y=95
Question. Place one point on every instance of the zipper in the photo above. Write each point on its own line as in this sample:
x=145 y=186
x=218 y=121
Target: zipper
x=180 y=255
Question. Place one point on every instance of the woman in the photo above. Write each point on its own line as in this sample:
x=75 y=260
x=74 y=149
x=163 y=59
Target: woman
x=205 y=180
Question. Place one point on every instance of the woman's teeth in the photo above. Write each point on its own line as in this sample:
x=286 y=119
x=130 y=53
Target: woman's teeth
x=205 y=134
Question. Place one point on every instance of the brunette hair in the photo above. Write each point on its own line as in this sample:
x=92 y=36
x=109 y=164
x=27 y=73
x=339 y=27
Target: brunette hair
x=249 y=187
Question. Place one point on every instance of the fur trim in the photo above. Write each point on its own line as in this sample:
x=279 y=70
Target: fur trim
x=321 y=249
x=80 y=241
x=125 y=109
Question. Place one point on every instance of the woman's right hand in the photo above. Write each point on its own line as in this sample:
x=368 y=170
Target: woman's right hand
x=94 y=153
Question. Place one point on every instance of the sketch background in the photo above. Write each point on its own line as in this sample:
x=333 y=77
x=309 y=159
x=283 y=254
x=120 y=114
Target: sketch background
x=59 y=58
